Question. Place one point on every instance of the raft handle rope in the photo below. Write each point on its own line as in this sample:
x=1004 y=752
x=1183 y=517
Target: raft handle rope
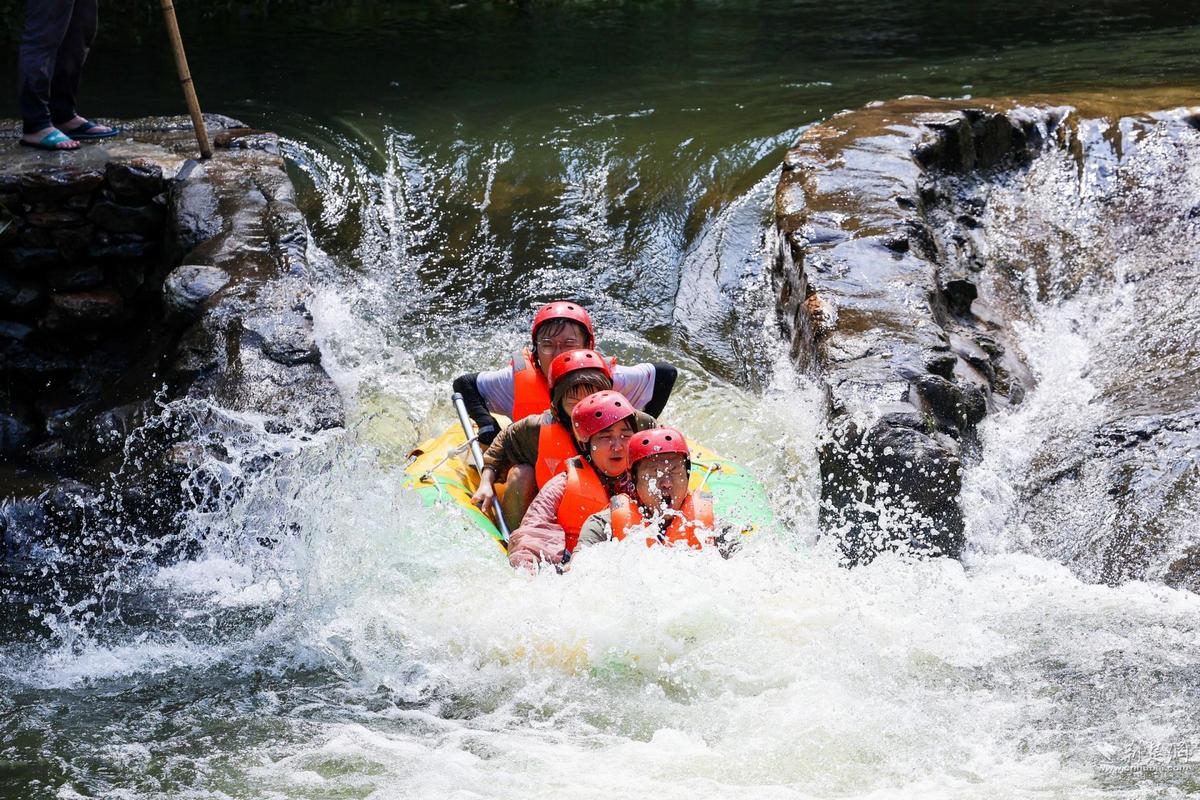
x=477 y=456
x=710 y=468
x=453 y=452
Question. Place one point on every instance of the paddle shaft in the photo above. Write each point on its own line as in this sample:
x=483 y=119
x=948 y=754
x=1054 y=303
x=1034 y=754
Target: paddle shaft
x=477 y=456
x=185 y=79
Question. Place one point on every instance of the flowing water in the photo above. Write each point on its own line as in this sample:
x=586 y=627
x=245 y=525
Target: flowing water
x=460 y=164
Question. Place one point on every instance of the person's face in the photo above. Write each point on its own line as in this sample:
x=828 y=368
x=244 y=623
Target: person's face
x=556 y=337
x=662 y=481
x=610 y=448
x=573 y=396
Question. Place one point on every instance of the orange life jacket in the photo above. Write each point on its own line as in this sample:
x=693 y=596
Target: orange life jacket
x=584 y=496
x=531 y=391
x=556 y=446
x=697 y=516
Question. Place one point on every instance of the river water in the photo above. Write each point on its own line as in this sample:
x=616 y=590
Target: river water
x=459 y=165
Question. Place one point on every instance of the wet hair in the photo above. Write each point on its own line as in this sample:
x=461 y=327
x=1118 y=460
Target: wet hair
x=554 y=327
x=592 y=378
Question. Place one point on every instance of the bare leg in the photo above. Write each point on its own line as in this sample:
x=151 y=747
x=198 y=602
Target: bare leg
x=519 y=489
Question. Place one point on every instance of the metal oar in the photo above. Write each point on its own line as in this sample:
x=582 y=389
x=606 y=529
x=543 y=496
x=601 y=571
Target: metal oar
x=477 y=456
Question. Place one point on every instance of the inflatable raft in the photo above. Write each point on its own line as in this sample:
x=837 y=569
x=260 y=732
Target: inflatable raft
x=441 y=473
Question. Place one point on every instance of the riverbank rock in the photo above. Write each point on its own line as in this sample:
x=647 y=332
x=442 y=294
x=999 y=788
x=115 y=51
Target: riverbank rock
x=134 y=278
x=893 y=295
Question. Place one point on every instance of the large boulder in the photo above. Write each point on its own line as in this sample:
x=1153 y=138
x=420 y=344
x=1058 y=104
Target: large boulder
x=869 y=306
x=914 y=234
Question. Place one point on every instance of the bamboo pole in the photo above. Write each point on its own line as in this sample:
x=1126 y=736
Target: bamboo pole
x=185 y=79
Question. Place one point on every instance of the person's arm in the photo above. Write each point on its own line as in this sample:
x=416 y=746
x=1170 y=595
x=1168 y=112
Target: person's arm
x=596 y=528
x=468 y=386
x=664 y=382
x=539 y=538
x=497 y=460
x=648 y=386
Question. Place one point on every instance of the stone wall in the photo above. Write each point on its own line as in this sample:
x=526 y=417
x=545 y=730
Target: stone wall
x=133 y=278
x=79 y=301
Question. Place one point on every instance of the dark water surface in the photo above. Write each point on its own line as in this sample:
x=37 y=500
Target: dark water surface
x=586 y=148
x=459 y=164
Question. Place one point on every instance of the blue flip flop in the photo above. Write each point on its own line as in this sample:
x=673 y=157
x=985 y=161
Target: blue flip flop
x=51 y=142
x=80 y=133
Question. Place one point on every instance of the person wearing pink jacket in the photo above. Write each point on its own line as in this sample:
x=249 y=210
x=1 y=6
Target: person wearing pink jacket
x=603 y=424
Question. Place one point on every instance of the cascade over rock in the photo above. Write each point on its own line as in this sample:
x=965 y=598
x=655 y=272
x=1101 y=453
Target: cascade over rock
x=912 y=234
x=132 y=277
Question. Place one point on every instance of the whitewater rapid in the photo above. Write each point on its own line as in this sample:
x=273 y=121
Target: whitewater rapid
x=335 y=638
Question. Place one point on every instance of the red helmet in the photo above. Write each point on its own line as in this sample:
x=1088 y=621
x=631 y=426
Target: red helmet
x=565 y=363
x=655 y=441
x=561 y=309
x=598 y=411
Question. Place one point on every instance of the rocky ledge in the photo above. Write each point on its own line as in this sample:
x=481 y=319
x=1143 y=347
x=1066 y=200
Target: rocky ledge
x=894 y=292
x=133 y=277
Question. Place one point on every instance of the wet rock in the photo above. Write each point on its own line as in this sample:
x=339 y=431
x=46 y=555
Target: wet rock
x=228 y=356
x=956 y=407
x=189 y=286
x=892 y=488
x=18 y=426
x=63 y=422
x=97 y=253
x=54 y=219
x=119 y=218
x=22 y=521
x=194 y=214
x=196 y=354
x=1184 y=572
x=134 y=181
x=35 y=238
x=74 y=309
x=52 y=454
x=289 y=236
x=29 y=258
x=19 y=296
x=64 y=503
x=868 y=244
x=122 y=251
x=79 y=202
x=960 y=293
x=129 y=278
x=247 y=139
x=106 y=433
x=74 y=278
x=285 y=337
x=14 y=331
x=73 y=243
x=58 y=184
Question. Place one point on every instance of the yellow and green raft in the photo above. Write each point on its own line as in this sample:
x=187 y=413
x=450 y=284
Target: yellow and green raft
x=439 y=471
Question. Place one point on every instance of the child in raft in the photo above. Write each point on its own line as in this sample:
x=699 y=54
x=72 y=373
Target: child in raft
x=662 y=510
x=603 y=424
x=523 y=387
x=533 y=450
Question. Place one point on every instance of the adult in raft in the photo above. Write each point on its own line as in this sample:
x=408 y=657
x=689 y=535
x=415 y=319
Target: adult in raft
x=523 y=387
x=531 y=451
x=603 y=424
x=662 y=510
